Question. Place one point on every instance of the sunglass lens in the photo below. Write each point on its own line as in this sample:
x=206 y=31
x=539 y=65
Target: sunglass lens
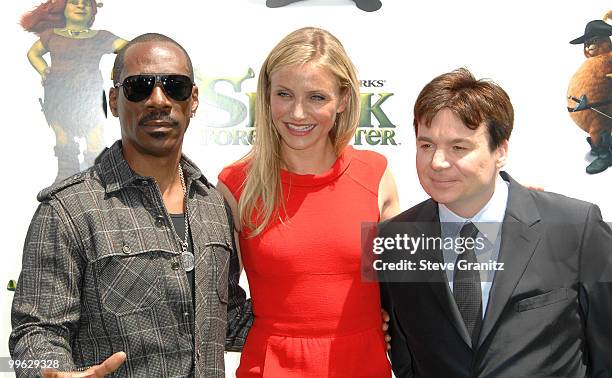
x=177 y=86
x=139 y=87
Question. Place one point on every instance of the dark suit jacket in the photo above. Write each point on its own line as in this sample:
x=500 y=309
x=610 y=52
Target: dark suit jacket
x=549 y=312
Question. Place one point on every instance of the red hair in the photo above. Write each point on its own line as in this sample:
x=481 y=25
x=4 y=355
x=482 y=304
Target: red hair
x=50 y=14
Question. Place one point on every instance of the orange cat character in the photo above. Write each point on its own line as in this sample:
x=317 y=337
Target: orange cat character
x=590 y=93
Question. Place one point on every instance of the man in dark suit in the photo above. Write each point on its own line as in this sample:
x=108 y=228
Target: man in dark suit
x=543 y=304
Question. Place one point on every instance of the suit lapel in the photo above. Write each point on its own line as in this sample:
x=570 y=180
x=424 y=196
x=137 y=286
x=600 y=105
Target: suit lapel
x=519 y=240
x=437 y=280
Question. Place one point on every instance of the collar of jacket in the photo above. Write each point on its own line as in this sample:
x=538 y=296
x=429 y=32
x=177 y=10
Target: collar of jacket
x=117 y=174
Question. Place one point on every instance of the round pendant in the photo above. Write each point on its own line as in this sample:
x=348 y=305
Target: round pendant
x=188 y=261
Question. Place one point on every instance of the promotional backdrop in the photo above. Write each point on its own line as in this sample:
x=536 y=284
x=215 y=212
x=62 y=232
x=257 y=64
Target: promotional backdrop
x=522 y=46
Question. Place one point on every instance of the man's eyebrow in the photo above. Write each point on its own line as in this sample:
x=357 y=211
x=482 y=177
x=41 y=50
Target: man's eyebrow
x=452 y=141
x=460 y=140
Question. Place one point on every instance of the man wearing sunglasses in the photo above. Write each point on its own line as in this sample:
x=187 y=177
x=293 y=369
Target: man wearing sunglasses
x=126 y=265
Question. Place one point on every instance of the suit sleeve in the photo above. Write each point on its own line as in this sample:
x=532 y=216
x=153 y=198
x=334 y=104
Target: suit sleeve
x=239 y=308
x=47 y=304
x=596 y=292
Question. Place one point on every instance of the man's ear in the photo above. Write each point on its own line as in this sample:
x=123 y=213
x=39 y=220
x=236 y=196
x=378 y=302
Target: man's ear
x=194 y=100
x=501 y=154
x=112 y=101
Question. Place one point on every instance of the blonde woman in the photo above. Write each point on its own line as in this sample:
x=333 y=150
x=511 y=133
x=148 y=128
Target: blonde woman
x=299 y=198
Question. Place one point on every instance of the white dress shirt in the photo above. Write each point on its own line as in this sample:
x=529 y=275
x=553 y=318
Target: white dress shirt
x=489 y=223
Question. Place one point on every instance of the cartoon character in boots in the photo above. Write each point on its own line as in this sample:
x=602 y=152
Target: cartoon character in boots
x=589 y=94
x=73 y=84
x=364 y=5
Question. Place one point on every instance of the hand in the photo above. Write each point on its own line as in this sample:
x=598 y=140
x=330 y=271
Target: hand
x=385 y=327
x=97 y=371
x=533 y=187
x=43 y=76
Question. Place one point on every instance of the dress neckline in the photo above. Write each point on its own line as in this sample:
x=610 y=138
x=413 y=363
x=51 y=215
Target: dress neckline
x=341 y=164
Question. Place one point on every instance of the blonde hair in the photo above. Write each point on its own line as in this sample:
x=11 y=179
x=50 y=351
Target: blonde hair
x=262 y=194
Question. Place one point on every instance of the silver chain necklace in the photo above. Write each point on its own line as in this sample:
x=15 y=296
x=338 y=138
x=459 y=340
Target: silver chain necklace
x=188 y=257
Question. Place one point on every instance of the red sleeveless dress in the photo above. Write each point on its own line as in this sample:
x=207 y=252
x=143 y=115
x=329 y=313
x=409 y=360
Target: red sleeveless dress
x=314 y=317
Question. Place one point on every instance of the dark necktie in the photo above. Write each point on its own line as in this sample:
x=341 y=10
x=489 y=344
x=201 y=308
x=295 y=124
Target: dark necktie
x=466 y=287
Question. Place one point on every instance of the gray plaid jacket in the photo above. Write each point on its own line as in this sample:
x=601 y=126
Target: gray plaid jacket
x=102 y=273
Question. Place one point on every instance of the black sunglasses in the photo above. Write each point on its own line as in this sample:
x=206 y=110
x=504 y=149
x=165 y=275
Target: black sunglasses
x=139 y=87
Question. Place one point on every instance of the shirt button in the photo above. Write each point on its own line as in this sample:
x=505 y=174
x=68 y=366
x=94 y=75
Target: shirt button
x=175 y=265
x=126 y=249
x=159 y=221
x=144 y=182
x=198 y=354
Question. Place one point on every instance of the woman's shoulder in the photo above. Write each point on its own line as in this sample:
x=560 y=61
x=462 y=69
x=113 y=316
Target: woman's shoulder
x=234 y=175
x=237 y=167
x=367 y=168
x=45 y=36
x=105 y=35
x=367 y=158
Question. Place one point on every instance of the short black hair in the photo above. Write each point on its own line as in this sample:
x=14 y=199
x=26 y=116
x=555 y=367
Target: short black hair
x=148 y=37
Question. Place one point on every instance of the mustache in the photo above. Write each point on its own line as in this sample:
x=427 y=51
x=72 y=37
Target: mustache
x=158 y=117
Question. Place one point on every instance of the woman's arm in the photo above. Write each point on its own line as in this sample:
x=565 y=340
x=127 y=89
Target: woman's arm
x=388 y=200
x=118 y=44
x=35 y=56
